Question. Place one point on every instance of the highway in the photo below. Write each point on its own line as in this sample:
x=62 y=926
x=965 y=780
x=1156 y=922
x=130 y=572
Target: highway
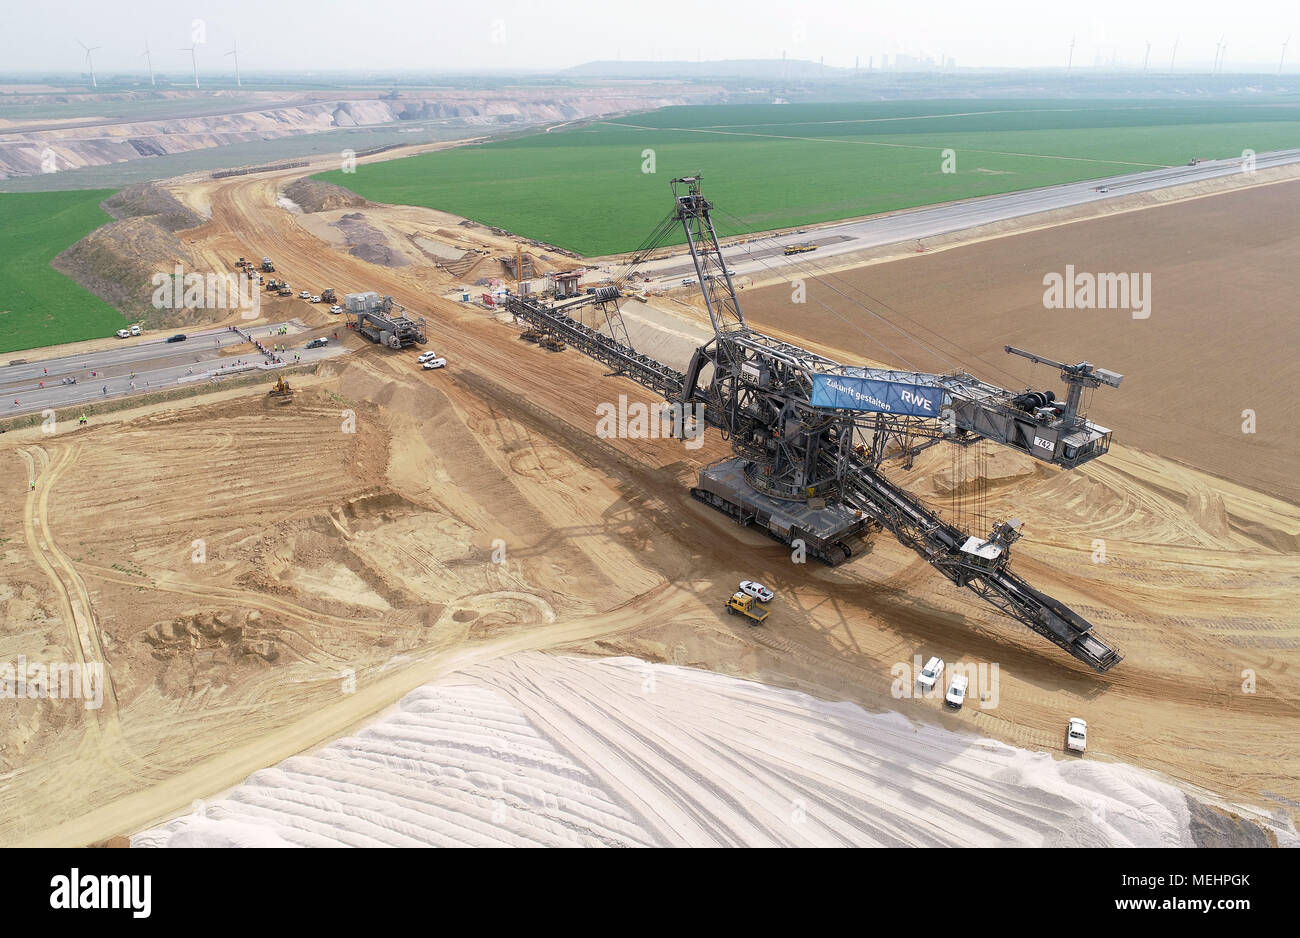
x=919 y=223
x=151 y=364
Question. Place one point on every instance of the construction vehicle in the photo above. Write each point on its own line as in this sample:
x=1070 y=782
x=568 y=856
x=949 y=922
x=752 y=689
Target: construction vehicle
x=384 y=322
x=549 y=341
x=328 y=296
x=810 y=436
x=284 y=289
x=272 y=284
x=267 y=266
x=281 y=392
x=742 y=604
x=530 y=335
x=799 y=249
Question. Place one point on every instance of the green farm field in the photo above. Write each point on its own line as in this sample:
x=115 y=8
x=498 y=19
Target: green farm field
x=780 y=166
x=38 y=305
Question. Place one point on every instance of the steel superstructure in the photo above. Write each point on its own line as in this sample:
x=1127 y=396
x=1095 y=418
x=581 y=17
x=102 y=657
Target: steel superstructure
x=809 y=435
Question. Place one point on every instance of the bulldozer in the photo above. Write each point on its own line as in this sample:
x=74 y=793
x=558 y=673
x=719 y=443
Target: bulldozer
x=530 y=335
x=742 y=604
x=548 y=341
x=328 y=295
x=281 y=392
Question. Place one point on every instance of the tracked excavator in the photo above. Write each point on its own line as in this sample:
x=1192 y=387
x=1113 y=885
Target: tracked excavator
x=809 y=435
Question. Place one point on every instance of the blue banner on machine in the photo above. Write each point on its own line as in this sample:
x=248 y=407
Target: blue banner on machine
x=844 y=392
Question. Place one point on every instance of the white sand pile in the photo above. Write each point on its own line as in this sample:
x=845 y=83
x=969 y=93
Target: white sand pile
x=538 y=749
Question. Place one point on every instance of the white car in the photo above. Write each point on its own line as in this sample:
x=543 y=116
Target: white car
x=929 y=675
x=757 y=590
x=314 y=299
x=135 y=330
x=336 y=309
x=1076 y=737
x=427 y=357
x=689 y=281
x=304 y=294
x=956 y=695
x=123 y=334
x=435 y=363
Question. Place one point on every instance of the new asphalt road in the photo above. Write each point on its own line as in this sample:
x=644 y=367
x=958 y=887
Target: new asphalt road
x=760 y=256
x=151 y=364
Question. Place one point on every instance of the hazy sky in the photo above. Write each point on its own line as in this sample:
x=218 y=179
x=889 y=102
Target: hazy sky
x=304 y=35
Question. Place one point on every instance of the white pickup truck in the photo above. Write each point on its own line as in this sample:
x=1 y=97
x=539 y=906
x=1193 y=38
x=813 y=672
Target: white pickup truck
x=956 y=695
x=1076 y=735
x=930 y=673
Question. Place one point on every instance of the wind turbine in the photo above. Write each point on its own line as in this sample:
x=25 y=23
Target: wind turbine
x=1147 y=57
x=1217 y=46
x=194 y=61
x=149 y=58
x=1173 y=56
x=1283 y=59
x=235 y=53
x=1070 y=61
x=90 y=62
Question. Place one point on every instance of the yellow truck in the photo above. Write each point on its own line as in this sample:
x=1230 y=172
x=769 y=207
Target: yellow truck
x=745 y=605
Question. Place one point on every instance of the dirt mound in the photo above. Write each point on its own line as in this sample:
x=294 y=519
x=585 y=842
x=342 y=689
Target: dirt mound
x=367 y=242
x=200 y=651
x=238 y=633
x=378 y=254
x=312 y=195
x=117 y=263
x=1214 y=827
x=977 y=471
x=149 y=201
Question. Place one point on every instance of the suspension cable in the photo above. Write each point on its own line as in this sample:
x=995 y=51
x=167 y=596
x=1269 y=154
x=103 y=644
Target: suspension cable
x=809 y=265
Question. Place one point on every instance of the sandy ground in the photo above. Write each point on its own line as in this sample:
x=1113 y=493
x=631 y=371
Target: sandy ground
x=351 y=537
x=542 y=750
